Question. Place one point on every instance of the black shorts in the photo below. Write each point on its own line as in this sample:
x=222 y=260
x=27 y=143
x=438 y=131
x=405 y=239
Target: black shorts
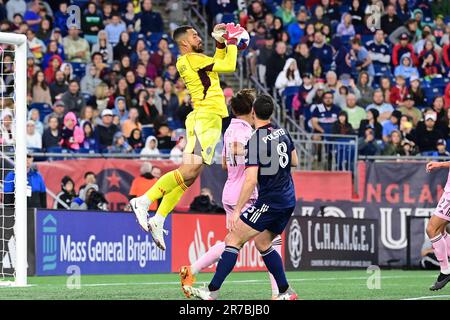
x=261 y=217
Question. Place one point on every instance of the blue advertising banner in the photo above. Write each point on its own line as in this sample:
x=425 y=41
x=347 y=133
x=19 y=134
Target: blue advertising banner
x=97 y=243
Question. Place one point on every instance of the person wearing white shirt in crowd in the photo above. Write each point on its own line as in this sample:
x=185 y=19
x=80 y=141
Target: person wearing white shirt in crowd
x=151 y=147
x=289 y=77
x=34 y=139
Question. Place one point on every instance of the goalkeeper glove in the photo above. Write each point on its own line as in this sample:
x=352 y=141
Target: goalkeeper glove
x=233 y=33
x=218 y=32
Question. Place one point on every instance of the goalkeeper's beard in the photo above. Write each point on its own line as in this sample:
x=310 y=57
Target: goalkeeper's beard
x=198 y=49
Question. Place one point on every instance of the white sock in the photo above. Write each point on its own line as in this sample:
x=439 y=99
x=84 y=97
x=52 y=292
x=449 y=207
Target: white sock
x=159 y=219
x=144 y=200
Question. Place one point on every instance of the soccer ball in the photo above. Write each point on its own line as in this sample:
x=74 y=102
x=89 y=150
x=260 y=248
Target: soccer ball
x=243 y=41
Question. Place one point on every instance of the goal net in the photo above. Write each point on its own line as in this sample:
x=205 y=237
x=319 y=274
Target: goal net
x=13 y=171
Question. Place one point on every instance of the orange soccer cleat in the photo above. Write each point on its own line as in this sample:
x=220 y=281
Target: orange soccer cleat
x=187 y=279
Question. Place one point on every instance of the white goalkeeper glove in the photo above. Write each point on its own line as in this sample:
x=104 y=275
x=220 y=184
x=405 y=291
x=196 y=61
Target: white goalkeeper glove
x=218 y=32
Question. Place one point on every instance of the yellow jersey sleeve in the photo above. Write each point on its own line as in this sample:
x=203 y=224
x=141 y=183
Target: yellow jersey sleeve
x=199 y=61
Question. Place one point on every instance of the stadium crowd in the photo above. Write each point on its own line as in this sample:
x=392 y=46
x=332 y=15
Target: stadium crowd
x=110 y=84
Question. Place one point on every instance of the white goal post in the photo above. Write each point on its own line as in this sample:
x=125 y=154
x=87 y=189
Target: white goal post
x=19 y=96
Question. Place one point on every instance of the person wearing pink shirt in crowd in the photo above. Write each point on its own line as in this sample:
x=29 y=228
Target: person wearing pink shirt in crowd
x=71 y=134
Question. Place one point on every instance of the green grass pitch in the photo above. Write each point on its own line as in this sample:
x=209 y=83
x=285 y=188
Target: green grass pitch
x=310 y=285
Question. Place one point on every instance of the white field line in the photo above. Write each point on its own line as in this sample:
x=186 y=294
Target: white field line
x=428 y=297
x=249 y=281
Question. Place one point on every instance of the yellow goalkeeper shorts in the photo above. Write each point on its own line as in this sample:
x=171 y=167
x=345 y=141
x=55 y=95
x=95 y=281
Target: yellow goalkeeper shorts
x=203 y=132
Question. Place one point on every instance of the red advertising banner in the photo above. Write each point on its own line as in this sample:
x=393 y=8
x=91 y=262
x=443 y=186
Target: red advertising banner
x=114 y=178
x=193 y=234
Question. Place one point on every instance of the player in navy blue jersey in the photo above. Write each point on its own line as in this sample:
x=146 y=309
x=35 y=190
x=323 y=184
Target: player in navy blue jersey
x=270 y=154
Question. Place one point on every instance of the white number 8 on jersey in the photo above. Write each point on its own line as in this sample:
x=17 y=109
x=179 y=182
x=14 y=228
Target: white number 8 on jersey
x=282 y=152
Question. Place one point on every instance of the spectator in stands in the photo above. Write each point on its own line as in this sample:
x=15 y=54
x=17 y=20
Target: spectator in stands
x=365 y=89
x=147 y=108
x=52 y=135
x=440 y=7
x=59 y=86
x=115 y=28
x=73 y=99
x=205 y=203
x=303 y=58
x=257 y=10
x=79 y=203
x=132 y=123
x=275 y=64
x=317 y=69
x=122 y=90
x=55 y=63
x=289 y=77
x=400 y=49
x=386 y=87
x=107 y=11
x=61 y=17
x=379 y=51
x=14 y=7
x=297 y=30
x=44 y=31
x=7 y=130
x=447 y=97
x=90 y=81
x=342 y=126
x=40 y=92
x=135 y=140
x=441 y=149
x=406 y=68
x=176 y=154
x=393 y=146
x=416 y=92
x=58 y=112
x=344 y=87
x=354 y=112
x=319 y=18
x=410 y=110
x=324 y=116
x=71 y=134
x=399 y=91
x=286 y=12
x=345 y=27
x=164 y=136
x=373 y=123
x=169 y=100
x=34 y=139
x=410 y=29
x=390 y=21
x=123 y=47
x=91 y=23
x=175 y=9
x=104 y=47
x=32 y=17
x=384 y=109
x=105 y=131
x=359 y=59
x=390 y=125
x=426 y=134
x=184 y=109
x=90 y=142
x=403 y=11
x=120 y=144
x=98 y=63
x=36 y=190
x=120 y=108
x=148 y=20
x=144 y=182
x=429 y=67
x=151 y=147
x=65 y=197
x=156 y=172
x=76 y=48
x=102 y=95
x=322 y=51
x=34 y=115
x=67 y=70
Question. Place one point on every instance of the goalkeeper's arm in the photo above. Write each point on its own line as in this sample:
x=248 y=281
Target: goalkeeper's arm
x=228 y=63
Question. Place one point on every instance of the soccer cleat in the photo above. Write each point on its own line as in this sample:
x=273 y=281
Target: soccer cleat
x=187 y=279
x=140 y=211
x=157 y=233
x=288 y=295
x=201 y=293
x=441 y=281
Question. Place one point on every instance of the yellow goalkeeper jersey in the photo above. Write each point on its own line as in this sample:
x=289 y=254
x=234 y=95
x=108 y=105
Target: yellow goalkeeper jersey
x=201 y=75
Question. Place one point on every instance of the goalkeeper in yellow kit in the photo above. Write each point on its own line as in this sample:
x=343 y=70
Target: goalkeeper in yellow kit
x=203 y=124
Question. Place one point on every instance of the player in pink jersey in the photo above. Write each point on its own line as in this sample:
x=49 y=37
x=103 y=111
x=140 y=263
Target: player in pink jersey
x=233 y=160
x=436 y=229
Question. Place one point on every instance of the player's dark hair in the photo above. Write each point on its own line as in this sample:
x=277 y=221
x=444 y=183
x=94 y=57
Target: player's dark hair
x=242 y=102
x=263 y=106
x=88 y=173
x=180 y=31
